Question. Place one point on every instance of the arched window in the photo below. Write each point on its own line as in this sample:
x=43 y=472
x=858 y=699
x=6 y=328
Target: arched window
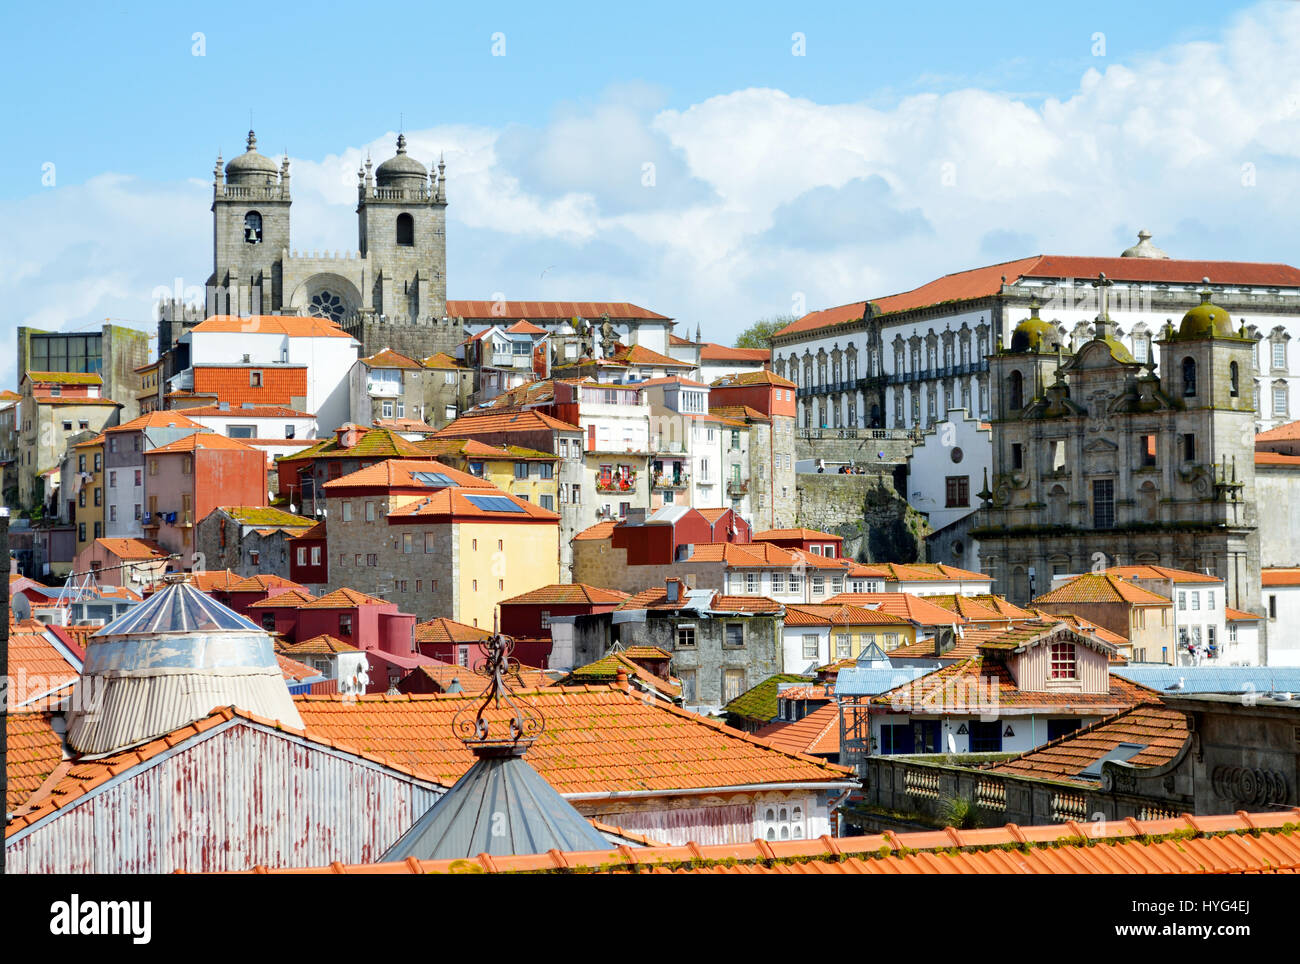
x=1234 y=388
x=771 y=834
x=785 y=832
x=1016 y=391
x=771 y=815
x=405 y=230
x=253 y=228
x=1189 y=377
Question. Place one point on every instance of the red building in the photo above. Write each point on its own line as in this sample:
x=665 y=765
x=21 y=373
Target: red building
x=241 y=595
x=279 y=613
x=762 y=391
x=309 y=561
x=659 y=539
x=451 y=642
x=371 y=624
x=528 y=617
x=810 y=540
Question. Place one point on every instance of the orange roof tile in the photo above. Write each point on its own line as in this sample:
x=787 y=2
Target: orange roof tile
x=444 y=630
x=1231 y=843
x=601 y=530
x=170 y=418
x=712 y=351
x=455 y=503
x=817 y=734
x=263 y=582
x=488 y=421
x=281 y=600
x=576 y=593
x=441 y=361
x=914 y=608
x=35 y=749
x=1288 y=432
x=1279 y=576
x=293 y=670
x=288 y=325
x=612 y=664
x=550 y=310
x=525 y=328
x=400 y=473
x=764 y=377
x=322 y=645
x=249 y=411
x=1161 y=572
x=839 y=615
x=598 y=739
x=201 y=441
x=802 y=534
x=345 y=598
x=473 y=684
x=1236 y=615
x=1158 y=728
x=133 y=549
x=210 y=580
x=1094 y=587
x=387 y=358
x=37 y=666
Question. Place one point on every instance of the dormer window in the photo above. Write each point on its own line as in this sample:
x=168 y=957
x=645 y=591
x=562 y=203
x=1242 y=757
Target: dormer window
x=253 y=228
x=1064 y=665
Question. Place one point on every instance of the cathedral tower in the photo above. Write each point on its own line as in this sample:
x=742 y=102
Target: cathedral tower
x=250 y=224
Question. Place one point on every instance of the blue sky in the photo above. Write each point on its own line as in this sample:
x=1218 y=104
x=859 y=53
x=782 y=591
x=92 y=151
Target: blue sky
x=909 y=140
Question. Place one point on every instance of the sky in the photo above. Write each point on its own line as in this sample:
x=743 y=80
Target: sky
x=715 y=163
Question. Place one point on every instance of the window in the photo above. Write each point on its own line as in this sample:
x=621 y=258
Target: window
x=345 y=625
x=405 y=230
x=1189 y=377
x=1280 y=405
x=735 y=439
x=1209 y=599
x=958 y=491
x=1189 y=447
x=778 y=583
x=1016 y=391
x=521 y=470
x=252 y=228
x=1234 y=387
x=137 y=512
x=734 y=634
x=751 y=583
x=688 y=685
x=81 y=464
x=1017 y=456
x=139 y=481
x=1148 y=450
x=387 y=409
x=372 y=558
x=302 y=555
x=1059 y=728
x=985 y=737
x=408 y=543
x=548 y=502
x=545 y=470
x=254 y=379
x=242 y=431
x=796 y=584
x=1279 y=354
x=253 y=555
x=1103 y=503
x=347 y=511
x=733 y=684
x=1063 y=661
x=187 y=465
x=1196 y=602
x=81 y=532
x=67 y=426
x=818 y=585
x=685 y=637
x=370 y=512
x=268 y=622
x=1272 y=607
x=842 y=648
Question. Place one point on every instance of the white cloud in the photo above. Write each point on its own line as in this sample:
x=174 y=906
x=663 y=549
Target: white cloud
x=758 y=195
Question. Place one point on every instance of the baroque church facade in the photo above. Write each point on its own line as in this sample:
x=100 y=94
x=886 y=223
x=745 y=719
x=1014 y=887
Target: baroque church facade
x=1100 y=460
x=388 y=292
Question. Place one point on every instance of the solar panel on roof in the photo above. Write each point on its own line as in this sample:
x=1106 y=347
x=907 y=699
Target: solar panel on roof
x=433 y=479
x=494 y=503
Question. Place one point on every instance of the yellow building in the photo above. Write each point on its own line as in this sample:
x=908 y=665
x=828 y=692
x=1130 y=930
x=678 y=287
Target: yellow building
x=437 y=541
x=525 y=473
x=89 y=477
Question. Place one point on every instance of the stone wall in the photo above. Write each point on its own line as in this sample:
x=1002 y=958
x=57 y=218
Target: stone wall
x=876 y=522
x=852 y=445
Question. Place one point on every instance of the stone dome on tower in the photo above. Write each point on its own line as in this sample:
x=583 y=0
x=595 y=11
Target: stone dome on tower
x=1034 y=334
x=401 y=169
x=1206 y=320
x=252 y=167
x=1144 y=248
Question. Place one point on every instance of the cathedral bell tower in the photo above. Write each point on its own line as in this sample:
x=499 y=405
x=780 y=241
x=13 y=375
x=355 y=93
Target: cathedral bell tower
x=250 y=224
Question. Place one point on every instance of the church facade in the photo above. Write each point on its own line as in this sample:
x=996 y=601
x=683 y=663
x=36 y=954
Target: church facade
x=1100 y=460
x=390 y=291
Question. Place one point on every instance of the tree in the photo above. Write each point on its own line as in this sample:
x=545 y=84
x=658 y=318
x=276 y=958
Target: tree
x=759 y=334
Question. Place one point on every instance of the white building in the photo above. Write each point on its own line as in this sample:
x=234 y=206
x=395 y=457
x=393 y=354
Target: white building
x=946 y=472
x=716 y=360
x=904 y=360
x=249 y=421
x=1280 y=594
x=263 y=343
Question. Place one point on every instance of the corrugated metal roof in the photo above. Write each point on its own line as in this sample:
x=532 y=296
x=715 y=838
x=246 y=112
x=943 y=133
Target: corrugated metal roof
x=179 y=608
x=1214 y=679
x=869 y=681
x=500 y=806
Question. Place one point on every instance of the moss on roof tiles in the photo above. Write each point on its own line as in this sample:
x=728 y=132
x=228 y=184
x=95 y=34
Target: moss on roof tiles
x=759 y=703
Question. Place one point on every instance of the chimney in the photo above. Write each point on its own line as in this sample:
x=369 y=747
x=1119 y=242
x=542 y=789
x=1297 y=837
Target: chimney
x=620 y=680
x=673 y=587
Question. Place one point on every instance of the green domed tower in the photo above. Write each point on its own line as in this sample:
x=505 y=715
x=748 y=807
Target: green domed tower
x=1206 y=363
x=1021 y=373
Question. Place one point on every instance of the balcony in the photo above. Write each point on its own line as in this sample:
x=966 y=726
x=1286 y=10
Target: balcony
x=614 y=448
x=874 y=434
x=617 y=484
x=738 y=487
x=681 y=480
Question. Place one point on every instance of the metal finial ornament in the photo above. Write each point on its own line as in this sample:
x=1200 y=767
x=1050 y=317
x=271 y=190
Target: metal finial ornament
x=525 y=722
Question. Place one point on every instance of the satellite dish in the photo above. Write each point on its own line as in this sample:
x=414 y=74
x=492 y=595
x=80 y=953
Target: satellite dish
x=952 y=743
x=21 y=607
x=293 y=509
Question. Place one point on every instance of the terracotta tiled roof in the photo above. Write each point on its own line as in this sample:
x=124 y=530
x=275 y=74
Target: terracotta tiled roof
x=645 y=652
x=481 y=423
x=293 y=598
x=345 y=599
x=712 y=351
x=1276 y=460
x=753 y=378
x=244 y=411
x=465 y=447
x=987 y=281
x=400 y=473
x=750 y=554
x=964 y=686
x=969 y=609
x=904 y=604
x=928 y=572
x=1086 y=626
x=607 y=668
x=672 y=380
x=1236 y=615
x=289 y=325
x=1288 y=432
x=210 y=580
x=597 y=739
x=36 y=665
x=133 y=549
x=472 y=684
x=817 y=734
x=163 y=419
x=1160 y=729
x=601 y=530
x=1095 y=587
x=322 y=645
x=293 y=670
x=572 y=594
x=373 y=443
x=457 y=503
x=525 y=328
x=1232 y=843
x=801 y=534
x=1279 y=576
x=91 y=442
x=387 y=358
x=202 y=440
x=657 y=598
x=550 y=310
x=742 y=412
x=35 y=749
x=263 y=582
x=441 y=361
x=444 y=630
x=839 y=615
x=1161 y=572
x=1001 y=606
